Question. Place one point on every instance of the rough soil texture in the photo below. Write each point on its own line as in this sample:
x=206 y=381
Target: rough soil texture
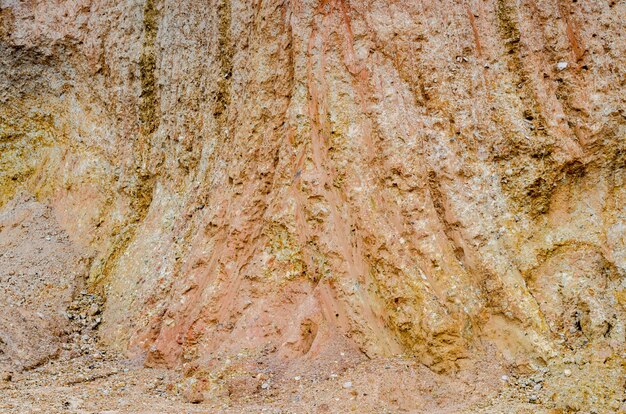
x=38 y=271
x=424 y=199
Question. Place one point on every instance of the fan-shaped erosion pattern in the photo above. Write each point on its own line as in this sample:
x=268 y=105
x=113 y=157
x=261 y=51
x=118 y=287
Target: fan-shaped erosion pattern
x=258 y=189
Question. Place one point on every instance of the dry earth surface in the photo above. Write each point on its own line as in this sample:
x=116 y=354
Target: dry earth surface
x=313 y=206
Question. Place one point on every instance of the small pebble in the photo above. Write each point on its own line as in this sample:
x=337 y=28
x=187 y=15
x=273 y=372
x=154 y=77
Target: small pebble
x=561 y=65
x=265 y=385
x=94 y=309
x=347 y=384
x=567 y=372
x=504 y=378
x=296 y=378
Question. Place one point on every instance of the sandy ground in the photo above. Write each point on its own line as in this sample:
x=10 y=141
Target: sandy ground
x=110 y=385
x=107 y=385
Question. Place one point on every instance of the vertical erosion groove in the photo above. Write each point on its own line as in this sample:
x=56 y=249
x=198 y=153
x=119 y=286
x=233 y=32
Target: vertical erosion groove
x=148 y=103
x=536 y=144
x=140 y=192
x=225 y=55
x=510 y=33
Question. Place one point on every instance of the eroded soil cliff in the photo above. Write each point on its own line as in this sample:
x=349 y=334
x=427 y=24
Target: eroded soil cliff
x=254 y=191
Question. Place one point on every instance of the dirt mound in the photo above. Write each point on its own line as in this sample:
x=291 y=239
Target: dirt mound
x=40 y=270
